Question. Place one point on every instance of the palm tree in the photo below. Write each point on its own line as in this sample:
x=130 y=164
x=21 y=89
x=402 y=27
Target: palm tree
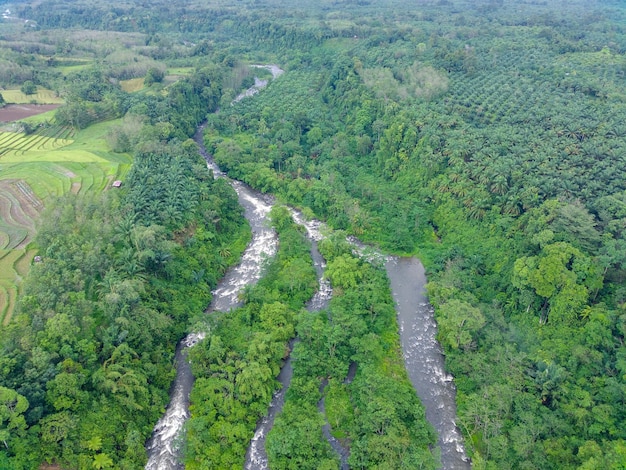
x=124 y=227
x=102 y=461
x=108 y=283
x=499 y=185
x=224 y=252
x=513 y=205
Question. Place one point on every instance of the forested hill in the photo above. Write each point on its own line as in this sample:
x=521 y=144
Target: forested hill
x=490 y=142
x=488 y=138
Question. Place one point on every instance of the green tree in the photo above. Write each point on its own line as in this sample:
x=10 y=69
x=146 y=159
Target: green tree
x=12 y=408
x=458 y=323
x=74 y=114
x=28 y=88
x=64 y=391
x=561 y=275
x=102 y=461
x=299 y=443
x=278 y=320
x=154 y=75
x=344 y=272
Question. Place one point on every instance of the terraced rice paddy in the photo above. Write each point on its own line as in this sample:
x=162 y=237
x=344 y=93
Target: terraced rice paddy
x=14 y=266
x=13 y=143
x=19 y=208
x=33 y=169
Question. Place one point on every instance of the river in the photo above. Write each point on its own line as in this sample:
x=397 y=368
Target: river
x=422 y=353
x=423 y=357
x=164 y=445
x=256 y=456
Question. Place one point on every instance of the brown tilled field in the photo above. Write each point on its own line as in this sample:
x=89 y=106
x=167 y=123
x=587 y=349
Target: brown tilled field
x=15 y=112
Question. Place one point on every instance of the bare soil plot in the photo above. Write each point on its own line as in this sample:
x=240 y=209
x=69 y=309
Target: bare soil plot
x=15 y=112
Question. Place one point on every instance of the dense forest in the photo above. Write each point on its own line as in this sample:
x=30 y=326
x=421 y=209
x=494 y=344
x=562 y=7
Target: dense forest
x=87 y=361
x=487 y=138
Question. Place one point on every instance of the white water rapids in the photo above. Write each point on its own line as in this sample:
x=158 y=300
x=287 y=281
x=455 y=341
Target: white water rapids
x=256 y=456
x=423 y=357
x=164 y=446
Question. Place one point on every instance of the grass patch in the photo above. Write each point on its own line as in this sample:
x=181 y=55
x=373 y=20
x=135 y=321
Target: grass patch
x=132 y=85
x=4 y=301
x=47 y=156
x=74 y=67
x=46 y=117
x=93 y=138
x=339 y=44
x=4 y=240
x=122 y=170
x=86 y=182
x=115 y=157
x=22 y=144
x=10 y=304
x=7 y=271
x=54 y=178
x=22 y=264
x=42 y=181
x=173 y=75
x=43 y=96
x=180 y=70
x=10 y=282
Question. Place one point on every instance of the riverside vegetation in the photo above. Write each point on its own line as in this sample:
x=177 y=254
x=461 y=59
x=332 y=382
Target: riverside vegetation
x=487 y=137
